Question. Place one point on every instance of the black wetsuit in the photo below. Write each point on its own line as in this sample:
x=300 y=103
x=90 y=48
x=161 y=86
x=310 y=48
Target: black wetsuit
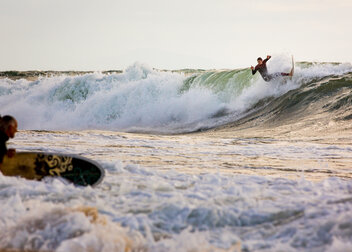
x=3 y=149
x=264 y=71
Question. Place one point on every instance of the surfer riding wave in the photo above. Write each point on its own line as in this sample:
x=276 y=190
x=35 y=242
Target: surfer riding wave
x=262 y=69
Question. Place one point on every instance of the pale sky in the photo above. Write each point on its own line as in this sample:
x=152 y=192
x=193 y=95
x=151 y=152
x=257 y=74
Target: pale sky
x=113 y=34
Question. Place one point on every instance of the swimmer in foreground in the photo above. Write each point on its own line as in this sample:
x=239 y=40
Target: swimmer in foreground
x=8 y=129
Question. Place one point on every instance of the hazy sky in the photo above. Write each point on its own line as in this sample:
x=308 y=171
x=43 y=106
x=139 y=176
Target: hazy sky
x=113 y=34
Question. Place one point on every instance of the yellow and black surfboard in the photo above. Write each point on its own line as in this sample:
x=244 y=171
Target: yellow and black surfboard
x=36 y=165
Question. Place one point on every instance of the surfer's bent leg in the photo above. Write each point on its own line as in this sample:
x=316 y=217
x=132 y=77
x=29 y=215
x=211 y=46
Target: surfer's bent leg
x=280 y=74
x=270 y=77
x=267 y=78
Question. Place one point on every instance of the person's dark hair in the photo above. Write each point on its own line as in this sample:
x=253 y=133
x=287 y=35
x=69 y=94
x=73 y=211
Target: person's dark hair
x=5 y=121
x=259 y=58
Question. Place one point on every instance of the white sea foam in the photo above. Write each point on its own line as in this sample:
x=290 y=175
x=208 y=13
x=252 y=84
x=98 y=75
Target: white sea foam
x=176 y=212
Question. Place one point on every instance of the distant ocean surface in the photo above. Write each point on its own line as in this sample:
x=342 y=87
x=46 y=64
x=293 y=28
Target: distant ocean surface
x=195 y=160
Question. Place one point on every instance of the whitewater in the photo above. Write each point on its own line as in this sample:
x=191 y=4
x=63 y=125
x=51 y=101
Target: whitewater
x=195 y=160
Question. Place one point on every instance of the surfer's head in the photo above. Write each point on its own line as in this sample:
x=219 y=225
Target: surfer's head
x=8 y=125
x=260 y=60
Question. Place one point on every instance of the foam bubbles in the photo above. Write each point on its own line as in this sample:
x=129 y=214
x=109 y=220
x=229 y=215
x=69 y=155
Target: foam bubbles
x=144 y=209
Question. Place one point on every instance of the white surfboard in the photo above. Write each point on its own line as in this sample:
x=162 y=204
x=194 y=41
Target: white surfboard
x=293 y=67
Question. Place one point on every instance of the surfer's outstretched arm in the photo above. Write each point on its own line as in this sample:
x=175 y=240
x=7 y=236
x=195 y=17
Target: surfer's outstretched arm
x=267 y=58
x=253 y=70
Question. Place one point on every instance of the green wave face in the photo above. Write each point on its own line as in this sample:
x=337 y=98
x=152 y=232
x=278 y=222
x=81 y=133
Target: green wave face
x=326 y=87
x=227 y=84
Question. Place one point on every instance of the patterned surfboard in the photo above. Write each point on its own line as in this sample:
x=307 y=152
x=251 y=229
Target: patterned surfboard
x=36 y=165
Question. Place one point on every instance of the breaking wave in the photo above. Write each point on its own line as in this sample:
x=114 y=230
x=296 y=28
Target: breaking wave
x=142 y=99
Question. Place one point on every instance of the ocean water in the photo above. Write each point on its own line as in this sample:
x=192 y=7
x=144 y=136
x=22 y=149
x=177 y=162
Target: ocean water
x=195 y=160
